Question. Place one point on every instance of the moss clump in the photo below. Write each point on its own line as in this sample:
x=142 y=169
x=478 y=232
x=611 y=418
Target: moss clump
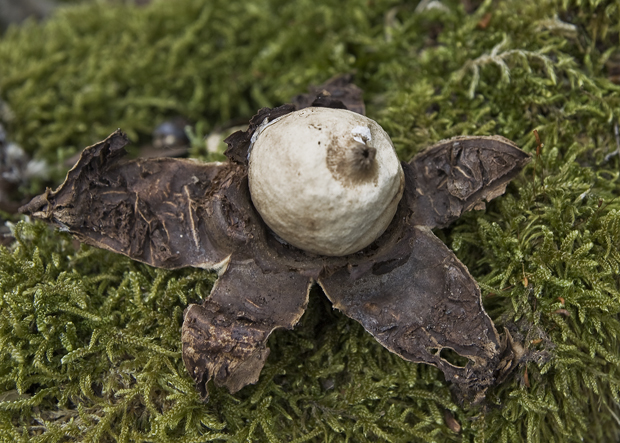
x=90 y=341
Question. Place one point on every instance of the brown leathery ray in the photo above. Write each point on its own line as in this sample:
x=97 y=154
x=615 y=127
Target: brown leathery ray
x=224 y=340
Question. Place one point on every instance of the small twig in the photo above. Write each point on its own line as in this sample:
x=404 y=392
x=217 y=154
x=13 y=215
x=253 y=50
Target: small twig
x=612 y=413
x=526 y=378
x=617 y=151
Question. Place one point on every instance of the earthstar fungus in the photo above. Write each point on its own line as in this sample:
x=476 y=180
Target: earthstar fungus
x=406 y=288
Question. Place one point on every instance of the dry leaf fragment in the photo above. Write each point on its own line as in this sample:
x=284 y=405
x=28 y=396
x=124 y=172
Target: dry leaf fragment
x=485 y=20
x=451 y=422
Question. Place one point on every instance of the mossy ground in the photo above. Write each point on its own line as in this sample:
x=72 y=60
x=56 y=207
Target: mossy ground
x=90 y=341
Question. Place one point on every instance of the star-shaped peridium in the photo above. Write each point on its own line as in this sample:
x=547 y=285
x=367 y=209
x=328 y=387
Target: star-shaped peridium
x=407 y=288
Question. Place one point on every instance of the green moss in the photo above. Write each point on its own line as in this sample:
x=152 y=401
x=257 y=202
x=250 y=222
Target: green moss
x=90 y=341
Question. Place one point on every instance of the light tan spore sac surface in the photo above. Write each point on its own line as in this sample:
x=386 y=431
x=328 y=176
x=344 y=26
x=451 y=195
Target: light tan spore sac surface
x=327 y=181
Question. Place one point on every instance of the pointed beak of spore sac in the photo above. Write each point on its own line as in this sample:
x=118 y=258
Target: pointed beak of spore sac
x=363 y=157
x=361 y=161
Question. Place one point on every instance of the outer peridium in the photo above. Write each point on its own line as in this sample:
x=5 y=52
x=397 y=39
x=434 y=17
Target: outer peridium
x=407 y=288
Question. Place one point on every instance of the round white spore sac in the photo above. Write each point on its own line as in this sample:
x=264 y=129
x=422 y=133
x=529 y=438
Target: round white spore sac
x=327 y=181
